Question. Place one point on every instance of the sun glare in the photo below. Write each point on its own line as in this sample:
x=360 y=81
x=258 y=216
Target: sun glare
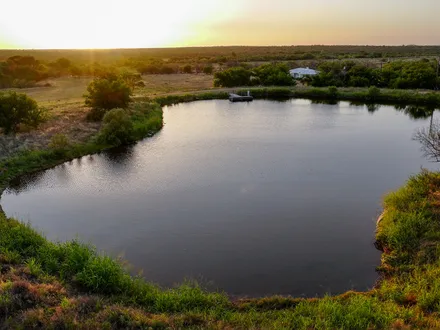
x=105 y=24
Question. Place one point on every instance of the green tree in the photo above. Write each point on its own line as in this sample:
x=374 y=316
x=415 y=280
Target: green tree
x=233 y=77
x=274 y=75
x=117 y=129
x=410 y=74
x=16 y=109
x=105 y=94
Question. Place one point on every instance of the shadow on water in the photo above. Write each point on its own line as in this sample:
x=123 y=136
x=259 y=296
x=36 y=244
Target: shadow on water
x=117 y=159
x=416 y=112
x=119 y=156
x=329 y=102
x=24 y=182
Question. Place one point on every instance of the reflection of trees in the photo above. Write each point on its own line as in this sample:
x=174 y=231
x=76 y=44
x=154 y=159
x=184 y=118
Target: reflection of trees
x=372 y=107
x=23 y=183
x=120 y=155
x=329 y=102
x=418 y=112
x=429 y=138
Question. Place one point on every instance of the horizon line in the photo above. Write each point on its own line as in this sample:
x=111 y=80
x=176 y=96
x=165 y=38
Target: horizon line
x=228 y=46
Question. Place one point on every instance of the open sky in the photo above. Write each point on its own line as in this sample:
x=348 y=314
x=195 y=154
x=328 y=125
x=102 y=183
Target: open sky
x=169 y=23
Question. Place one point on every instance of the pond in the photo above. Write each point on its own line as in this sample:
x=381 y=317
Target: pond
x=253 y=198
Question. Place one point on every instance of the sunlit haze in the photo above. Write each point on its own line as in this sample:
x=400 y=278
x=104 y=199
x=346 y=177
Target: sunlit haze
x=144 y=23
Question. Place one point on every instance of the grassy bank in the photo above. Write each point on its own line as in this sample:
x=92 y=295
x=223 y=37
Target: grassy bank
x=49 y=285
x=332 y=94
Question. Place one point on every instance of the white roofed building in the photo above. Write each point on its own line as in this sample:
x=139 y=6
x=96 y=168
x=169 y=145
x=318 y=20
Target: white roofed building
x=299 y=73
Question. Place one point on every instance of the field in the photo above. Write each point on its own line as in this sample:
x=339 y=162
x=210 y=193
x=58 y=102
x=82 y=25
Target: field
x=215 y=54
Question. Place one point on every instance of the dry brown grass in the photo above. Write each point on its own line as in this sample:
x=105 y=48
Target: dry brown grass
x=71 y=90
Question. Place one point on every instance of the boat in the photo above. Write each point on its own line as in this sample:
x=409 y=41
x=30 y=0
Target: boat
x=241 y=98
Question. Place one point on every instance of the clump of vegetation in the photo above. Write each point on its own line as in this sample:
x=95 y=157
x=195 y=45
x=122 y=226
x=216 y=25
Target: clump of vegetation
x=333 y=92
x=59 y=143
x=397 y=75
x=273 y=75
x=17 y=109
x=117 y=128
x=21 y=71
x=208 y=69
x=373 y=94
x=233 y=77
x=147 y=118
x=264 y=75
x=187 y=69
x=104 y=94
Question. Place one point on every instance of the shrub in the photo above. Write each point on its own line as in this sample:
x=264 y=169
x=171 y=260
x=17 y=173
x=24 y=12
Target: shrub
x=16 y=109
x=209 y=69
x=118 y=128
x=108 y=94
x=232 y=77
x=187 y=69
x=333 y=92
x=59 y=142
x=373 y=93
x=167 y=70
x=274 y=75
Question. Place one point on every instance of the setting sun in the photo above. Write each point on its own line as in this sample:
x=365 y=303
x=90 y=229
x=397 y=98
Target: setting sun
x=106 y=24
x=140 y=24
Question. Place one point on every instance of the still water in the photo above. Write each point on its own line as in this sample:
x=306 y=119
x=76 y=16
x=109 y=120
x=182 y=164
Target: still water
x=251 y=198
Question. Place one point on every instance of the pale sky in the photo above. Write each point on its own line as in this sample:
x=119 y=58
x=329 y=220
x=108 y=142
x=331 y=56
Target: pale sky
x=166 y=23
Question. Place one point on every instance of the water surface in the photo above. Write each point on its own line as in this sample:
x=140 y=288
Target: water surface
x=252 y=198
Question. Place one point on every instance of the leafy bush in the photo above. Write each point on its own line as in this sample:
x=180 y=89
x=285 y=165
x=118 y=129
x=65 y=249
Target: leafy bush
x=265 y=75
x=233 y=77
x=106 y=94
x=59 y=142
x=187 y=69
x=209 y=69
x=397 y=74
x=274 y=75
x=16 y=109
x=333 y=92
x=373 y=93
x=118 y=128
x=410 y=74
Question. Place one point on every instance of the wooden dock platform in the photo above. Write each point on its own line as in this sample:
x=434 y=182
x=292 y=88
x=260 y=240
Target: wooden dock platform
x=240 y=98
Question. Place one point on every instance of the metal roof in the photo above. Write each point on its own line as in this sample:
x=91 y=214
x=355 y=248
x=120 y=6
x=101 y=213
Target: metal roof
x=304 y=71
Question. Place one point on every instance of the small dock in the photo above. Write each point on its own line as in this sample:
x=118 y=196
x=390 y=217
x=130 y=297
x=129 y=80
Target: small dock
x=241 y=98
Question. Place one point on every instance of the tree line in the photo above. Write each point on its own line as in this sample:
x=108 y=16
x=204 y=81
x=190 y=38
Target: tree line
x=421 y=74
x=26 y=71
